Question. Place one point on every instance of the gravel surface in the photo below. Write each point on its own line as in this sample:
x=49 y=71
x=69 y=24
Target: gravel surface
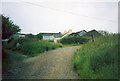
x=55 y=64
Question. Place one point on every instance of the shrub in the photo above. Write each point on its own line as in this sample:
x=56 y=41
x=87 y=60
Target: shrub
x=98 y=60
x=11 y=45
x=74 y=40
x=32 y=48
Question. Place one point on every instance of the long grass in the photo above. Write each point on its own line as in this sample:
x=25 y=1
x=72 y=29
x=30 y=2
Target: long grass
x=99 y=59
x=31 y=47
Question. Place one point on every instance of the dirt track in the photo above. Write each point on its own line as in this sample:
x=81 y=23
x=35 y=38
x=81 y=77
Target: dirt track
x=55 y=64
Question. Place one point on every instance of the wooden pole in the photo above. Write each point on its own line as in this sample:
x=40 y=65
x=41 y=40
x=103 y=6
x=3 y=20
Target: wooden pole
x=92 y=38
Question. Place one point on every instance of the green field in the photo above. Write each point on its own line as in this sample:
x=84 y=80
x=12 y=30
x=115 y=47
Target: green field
x=99 y=59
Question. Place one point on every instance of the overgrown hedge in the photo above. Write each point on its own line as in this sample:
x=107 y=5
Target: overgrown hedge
x=11 y=44
x=74 y=40
x=34 y=47
x=31 y=47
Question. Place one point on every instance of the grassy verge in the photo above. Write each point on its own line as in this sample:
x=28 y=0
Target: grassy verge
x=13 y=54
x=31 y=47
x=98 y=60
x=68 y=45
x=10 y=58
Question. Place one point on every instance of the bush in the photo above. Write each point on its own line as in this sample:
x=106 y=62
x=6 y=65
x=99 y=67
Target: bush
x=98 y=60
x=12 y=44
x=32 y=48
x=74 y=40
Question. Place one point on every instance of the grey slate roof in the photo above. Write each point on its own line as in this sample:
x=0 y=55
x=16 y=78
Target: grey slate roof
x=79 y=33
x=56 y=35
x=85 y=33
x=94 y=33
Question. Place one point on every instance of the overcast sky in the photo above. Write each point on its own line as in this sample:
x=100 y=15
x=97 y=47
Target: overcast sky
x=53 y=16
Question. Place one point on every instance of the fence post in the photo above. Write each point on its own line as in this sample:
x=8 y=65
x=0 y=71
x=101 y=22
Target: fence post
x=92 y=38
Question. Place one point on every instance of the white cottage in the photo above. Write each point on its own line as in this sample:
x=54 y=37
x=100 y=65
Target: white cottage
x=51 y=36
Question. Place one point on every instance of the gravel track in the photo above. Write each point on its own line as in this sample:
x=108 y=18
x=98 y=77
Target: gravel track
x=55 y=64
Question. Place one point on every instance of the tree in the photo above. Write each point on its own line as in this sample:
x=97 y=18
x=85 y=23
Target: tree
x=8 y=27
x=30 y=35
x=39 y=36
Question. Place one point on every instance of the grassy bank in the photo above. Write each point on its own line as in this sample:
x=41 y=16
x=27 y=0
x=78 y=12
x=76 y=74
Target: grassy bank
x=13 y=54
x=31 y=47
x=99 y=59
